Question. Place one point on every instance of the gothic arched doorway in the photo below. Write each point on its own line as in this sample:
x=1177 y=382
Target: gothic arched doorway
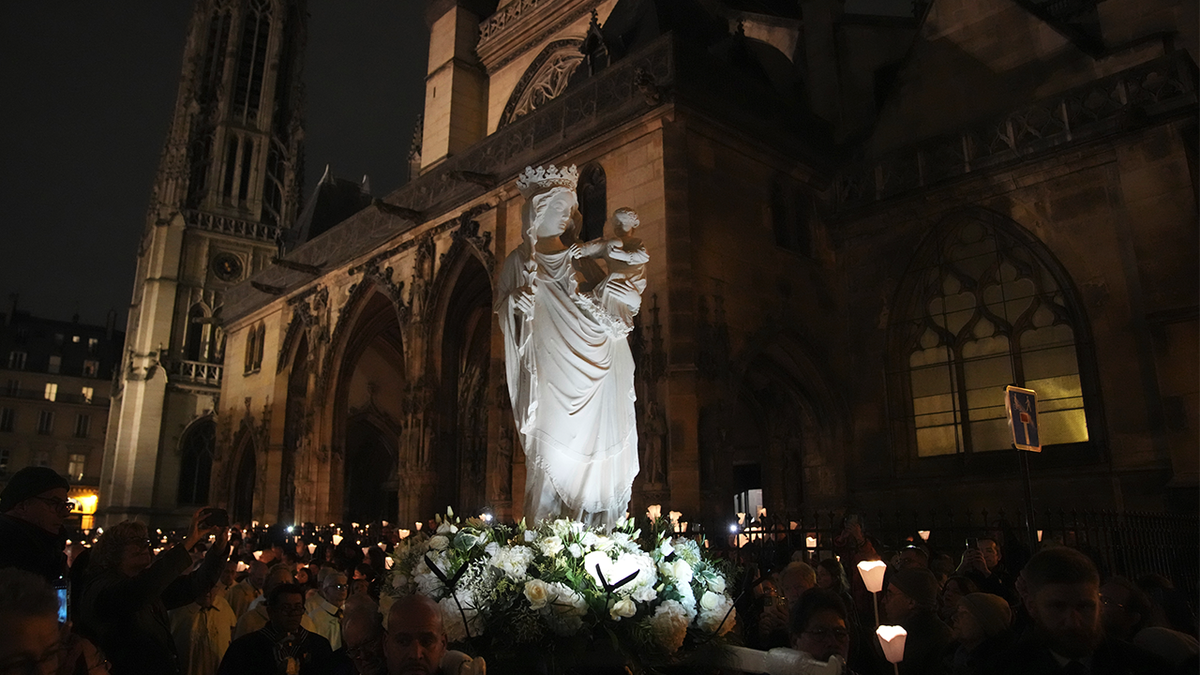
x=465 y=356
x=243 y=486
x=368 y=411
x=372 y=490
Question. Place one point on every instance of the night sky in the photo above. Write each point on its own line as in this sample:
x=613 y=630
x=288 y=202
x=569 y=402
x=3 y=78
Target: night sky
x=88 y=90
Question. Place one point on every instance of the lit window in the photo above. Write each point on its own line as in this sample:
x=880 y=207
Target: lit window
x=82 y=423
x=7 y=418
x=45 y=422
x=91 y=368
x=75 y=338
x=87 y=394
x=75 y=466
x=55 y=364
x=16 y=360
x=51 y=391
x=987 y=313
x=93 y=345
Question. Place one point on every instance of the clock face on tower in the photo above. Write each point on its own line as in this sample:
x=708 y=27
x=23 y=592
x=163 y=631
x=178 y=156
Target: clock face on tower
x=227 y=267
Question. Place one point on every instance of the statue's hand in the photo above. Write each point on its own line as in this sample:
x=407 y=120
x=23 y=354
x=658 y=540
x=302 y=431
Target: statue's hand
x=575 y=251
x=523 y=299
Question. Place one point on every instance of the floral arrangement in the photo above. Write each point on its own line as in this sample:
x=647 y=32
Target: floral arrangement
x=560 y=586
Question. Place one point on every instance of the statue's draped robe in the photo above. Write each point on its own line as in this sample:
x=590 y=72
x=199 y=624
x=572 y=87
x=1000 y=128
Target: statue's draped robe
x=571 y=386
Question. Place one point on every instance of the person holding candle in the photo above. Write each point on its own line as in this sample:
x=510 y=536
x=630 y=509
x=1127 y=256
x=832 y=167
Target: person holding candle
x=909 y=601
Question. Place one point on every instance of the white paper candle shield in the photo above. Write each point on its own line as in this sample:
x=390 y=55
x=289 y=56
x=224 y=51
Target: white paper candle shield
x=891 y=638
x=872 y=574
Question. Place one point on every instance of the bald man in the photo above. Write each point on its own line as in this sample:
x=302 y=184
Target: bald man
x=416 y=641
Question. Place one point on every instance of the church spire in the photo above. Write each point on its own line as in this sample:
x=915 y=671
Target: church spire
x=228 y=186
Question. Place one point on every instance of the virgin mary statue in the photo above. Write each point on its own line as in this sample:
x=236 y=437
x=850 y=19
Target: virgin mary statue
x=570 y=375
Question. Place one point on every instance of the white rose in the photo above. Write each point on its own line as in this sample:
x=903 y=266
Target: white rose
x=590 y=539
x=576 y=550
x=551 y=546
x=530 y=536
x=710 y=601
x=536 y=593
x=669 y=626
x=622 y=609
x=439 y=543
x=682 y=571
x=644 y=594
x=717 y=583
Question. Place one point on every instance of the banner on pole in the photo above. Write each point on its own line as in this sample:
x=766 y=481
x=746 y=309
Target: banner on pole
x=1021 y=405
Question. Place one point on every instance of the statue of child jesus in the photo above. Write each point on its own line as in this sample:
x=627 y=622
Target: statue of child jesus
x=618 y=297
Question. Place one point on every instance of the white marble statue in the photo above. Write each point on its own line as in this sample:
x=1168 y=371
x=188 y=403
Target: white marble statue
x=569 y=368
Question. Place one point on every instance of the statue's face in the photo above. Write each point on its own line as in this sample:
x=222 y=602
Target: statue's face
x=557 y=215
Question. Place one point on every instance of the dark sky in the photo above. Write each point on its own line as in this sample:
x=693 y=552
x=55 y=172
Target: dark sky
x=87 y=91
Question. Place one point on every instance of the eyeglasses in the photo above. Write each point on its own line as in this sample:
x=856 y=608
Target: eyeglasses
x=61 y=505
x=838 y=634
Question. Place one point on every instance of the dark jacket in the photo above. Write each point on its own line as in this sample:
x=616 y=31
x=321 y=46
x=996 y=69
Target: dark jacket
x=127 y=616
x=28 y=547
x=1112 y=657
x=925 y=645
x=961 y=661
x=255 y=654
x=997 y=582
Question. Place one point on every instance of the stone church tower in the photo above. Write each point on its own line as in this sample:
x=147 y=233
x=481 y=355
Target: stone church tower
x=226 y=189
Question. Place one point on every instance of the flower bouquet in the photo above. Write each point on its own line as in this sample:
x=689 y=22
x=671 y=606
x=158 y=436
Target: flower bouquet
x=553 y=596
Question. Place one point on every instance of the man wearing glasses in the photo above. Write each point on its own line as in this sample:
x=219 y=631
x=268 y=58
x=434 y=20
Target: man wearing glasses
x=32 y=509
x=283 y=647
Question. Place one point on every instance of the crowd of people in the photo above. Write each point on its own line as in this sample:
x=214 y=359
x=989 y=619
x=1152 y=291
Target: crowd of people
x=970 y=615
x=214 y=600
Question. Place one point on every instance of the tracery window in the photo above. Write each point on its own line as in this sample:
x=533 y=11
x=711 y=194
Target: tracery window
x=252 y=59
x=984 y=311
x=195 y=465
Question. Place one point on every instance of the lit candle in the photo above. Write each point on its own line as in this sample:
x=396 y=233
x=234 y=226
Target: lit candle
x=872 y=574
x=891 y=638
x=312 y=549
x=923 y=534
x=810 y=542
x=404 y=533
x=337 y=539
x=654 y=512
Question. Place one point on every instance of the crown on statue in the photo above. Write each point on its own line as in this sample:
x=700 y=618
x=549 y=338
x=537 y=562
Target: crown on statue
x=534 y=180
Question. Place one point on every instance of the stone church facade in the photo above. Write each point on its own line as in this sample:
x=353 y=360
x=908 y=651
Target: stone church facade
x=861 y=228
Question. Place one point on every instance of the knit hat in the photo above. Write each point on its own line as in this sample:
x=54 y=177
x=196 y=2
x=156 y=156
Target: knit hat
x=918 y=584
x=991 y=611
x=30 y=482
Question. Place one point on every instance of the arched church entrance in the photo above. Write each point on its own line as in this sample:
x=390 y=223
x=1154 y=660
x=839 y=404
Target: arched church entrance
x=368 y=411
x=372 y=488
x=759 y=445
x=244 y=480
x=464 y=356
